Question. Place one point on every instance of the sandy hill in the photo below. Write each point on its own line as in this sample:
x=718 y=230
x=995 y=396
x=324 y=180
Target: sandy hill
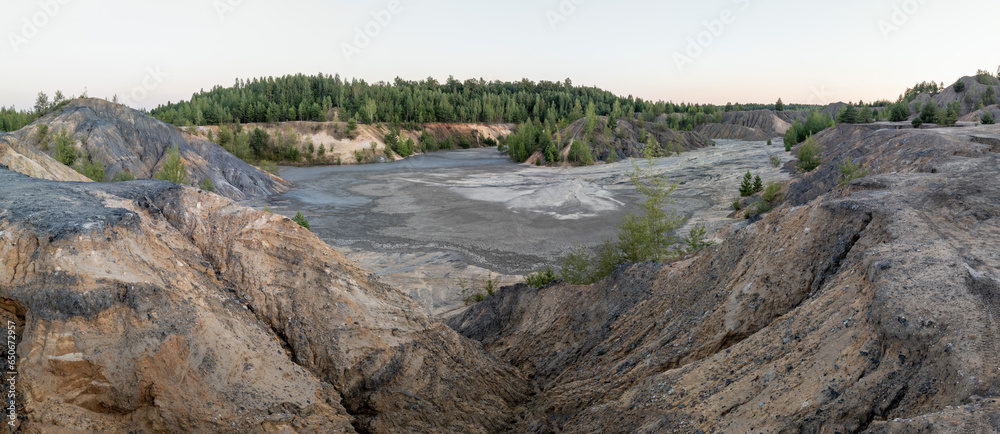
x=870 y=308
x=624 y=141
x=32 y=162
x=126 y=139
x=145 y=306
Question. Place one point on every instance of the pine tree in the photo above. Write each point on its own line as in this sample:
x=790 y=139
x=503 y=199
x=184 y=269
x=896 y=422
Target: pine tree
x=779 y=106
x=747 y=187
x=173 y=169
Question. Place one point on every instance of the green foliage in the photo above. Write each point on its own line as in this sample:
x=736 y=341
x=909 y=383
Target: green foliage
x=772 y=192
x=809 y=155
x=929 y=113
x=475 y=295
x=65 y=151
x=799 y=131
x=848 y=115
x=779 y=106
x=643 y=236
x=758 y=207
x=696 y=240
x=12 y=119
x=43 y=136
x=987 y=118
x=93 y=169
x=206 y=184
x=541 y=278
x=529 y=138
x=359 y=156
x=758 y=185
x=899 y=112
x=985 y=77
x=737 y=203
x=747 y=186
x=173 y=169
x=301 y=97
x=580 y=153
x=849 y=171
x=917 y=122
x=769 y=142
x=301 y=220
x=775 y=161
x=123 y=176
x=959 y=86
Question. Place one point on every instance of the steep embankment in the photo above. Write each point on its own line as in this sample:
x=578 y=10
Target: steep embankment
x=871 y=307
x=32 y=162
x=125 y=139
x=972 y=94
x=146 y=306
x=336 y=142
x=756 y=125
x=625 y=139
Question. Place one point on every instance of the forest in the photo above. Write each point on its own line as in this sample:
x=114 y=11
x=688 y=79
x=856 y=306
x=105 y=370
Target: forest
x=314 y=98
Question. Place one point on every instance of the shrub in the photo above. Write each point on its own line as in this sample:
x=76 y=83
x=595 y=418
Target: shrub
x=540 y=278
x=809 y=155
x=268 y=166
x=758 y=207
x=775 y=161
x=580 y=152
x=987 y=118
x=758 y=185
x=90 y=168
x=747 y=186
x=696 y=239
x=123 y=176
x=173 y=169
x=772 y=191
x=850 y=171
x=959 y=86
x=43 y=136
x=206 y=184
x=65 y=148
x=769 y=142
x=301 y=220
x=917 y=122
x=737 y=203
x=472 y=295
x=576 y=266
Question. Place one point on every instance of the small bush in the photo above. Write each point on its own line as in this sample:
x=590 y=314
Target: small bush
x=772 y=191
x=173 y=169
x=757 y=208
x=301 y=220
x=987 y=118
x=206 y=184
x=93 y=169
x=359 y=156
x=540 y=278
x=737 y=203
x=775 y=161
x=809 y=155
x=123 y=176
x=850 y=171
x=696 y=240
x=268 y=166
x=474 y=295
x=917 y=122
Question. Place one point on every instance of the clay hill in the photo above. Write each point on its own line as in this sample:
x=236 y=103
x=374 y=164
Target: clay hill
x=125 y=139
x=974 y=93
x=145 y=306
x=626 y=140
x=866 y=308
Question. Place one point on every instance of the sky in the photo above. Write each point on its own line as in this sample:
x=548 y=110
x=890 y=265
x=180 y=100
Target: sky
x=713 y=51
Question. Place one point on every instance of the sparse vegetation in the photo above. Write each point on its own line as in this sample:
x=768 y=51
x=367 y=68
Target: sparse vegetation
x=750 y=185
x=695 y=240
x=541 y=278
x=849 y=171
x=123 y=176
x=772 y=192
x=65 y=151
x=301 y=220
x=91 y=168
x=475 y=295
x=987 y=118
x=173 y=169
x=206 y=184
x=809 y=155
x=643 y=236
x=775 y=161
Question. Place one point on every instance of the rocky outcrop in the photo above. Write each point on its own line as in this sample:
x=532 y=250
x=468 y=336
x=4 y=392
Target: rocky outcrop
x=146 y=306
x=733 y=132
x=32 y=162
x=625 y=141
x=126 y=139
x=870 y=307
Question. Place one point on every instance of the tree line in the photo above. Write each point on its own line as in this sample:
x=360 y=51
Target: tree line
x=313 y=98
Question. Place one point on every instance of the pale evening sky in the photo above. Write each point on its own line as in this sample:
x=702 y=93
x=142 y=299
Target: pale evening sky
x=716 y=51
